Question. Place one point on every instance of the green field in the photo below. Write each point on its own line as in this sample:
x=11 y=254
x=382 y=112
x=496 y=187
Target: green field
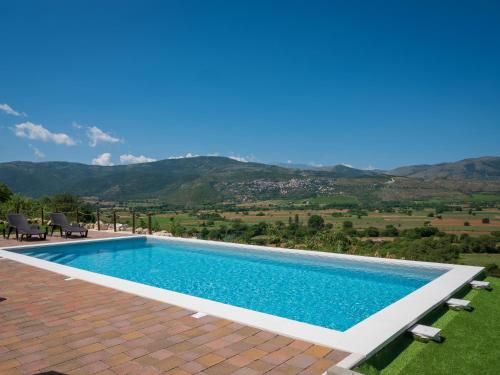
x=485 y=198
x=267 y=212
x=483 y=260
x=335 y=200
x=470 y=345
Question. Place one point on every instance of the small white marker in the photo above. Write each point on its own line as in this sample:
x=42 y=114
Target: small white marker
x=199 y=315
x=69 y=278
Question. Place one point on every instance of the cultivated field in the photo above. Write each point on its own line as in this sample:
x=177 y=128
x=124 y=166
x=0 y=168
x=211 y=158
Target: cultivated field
x=458 y=222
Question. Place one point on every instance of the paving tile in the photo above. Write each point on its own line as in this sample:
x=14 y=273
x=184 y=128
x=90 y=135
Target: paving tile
x=210 y=360
x=317 y=351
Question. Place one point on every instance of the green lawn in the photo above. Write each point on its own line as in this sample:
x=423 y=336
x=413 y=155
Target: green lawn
x=470 y=346
x=483 y=260
x=479 y=259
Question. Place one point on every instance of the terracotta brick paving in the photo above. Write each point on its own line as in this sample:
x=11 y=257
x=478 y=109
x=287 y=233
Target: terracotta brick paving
x=74 y=327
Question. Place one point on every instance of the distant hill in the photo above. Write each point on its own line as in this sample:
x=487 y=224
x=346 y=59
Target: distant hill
x=339 y=169
x=484 y=168
x=204 y=180
x=184 y=181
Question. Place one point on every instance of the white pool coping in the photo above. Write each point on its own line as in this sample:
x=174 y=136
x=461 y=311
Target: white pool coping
x=362 y=340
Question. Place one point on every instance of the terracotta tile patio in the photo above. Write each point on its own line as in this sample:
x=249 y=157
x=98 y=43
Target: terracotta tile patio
x=74 y=327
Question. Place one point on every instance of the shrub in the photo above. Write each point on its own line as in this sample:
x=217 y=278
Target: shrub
x=315 y=222
x=347 y=225
x=371 y=232
x=486 y=220
x=390 y=231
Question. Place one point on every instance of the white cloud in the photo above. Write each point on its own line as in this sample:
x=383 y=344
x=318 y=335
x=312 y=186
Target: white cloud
x=131 y=159
x=316 y=165
x=187 y=156
x=39 y=133
x=347 y=165
x=239 y=158
x=243 y=159
x=370 y=168
x=96 y=136
x=103 y=160
x=38 y=154
x=10 y=111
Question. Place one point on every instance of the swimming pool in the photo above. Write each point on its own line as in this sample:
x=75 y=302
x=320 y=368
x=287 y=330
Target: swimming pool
x=329 y=292
x=347 y=302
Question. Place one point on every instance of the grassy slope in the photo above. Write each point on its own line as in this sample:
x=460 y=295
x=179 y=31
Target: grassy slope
x=470 y=346
x=479 y=259
x=482 y=260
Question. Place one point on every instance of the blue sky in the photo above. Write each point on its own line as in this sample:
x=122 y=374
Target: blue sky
x=366 y=83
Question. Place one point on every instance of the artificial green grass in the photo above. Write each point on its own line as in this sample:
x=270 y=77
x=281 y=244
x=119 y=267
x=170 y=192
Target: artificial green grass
x=470 y=346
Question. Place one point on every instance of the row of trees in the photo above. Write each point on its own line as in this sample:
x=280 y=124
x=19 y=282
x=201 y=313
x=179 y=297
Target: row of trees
x=422 y=243
x=32 y=208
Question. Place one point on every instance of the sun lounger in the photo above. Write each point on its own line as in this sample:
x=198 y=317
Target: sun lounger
x=459 y=304
x=19 y=224
x=425 y=333
x=480 y=284
x=59 y=221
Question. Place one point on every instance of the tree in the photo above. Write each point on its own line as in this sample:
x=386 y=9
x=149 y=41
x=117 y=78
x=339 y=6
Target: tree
x=347 y=225
x=5 y=193
x=371 y=232
x=486 y=220
x=315 y=222
x=390 y=231
x=64 y=202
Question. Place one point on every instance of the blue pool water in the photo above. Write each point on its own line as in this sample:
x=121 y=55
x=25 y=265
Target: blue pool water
x=324 y=291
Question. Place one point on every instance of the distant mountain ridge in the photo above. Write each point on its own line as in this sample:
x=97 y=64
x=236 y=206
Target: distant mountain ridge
x=201 y=180
x=483 y=168
x=188 y=180
x=340 y=169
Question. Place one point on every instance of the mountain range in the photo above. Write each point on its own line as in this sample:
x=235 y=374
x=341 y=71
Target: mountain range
x=484 y=168
x=204 y=179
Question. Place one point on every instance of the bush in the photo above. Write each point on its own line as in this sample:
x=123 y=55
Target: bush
x=371 y=232
x=485 y=220
x=466 y=224
x=347 y=225
x=492 y=269
x=315 y=222
x=390 y=231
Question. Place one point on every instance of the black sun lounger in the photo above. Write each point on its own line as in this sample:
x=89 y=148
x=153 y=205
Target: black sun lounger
x=19 y=224
x=59 y=220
